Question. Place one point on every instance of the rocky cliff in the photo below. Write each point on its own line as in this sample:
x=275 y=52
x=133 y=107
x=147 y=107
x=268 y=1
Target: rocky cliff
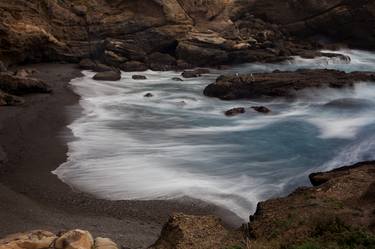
x=346 y=21
x=122 y=31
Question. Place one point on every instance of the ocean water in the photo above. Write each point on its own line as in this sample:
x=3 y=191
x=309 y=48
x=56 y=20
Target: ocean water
x=179 y=142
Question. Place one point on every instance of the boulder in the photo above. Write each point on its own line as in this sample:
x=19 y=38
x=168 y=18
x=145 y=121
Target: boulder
x=108 y=76
x=104 y=243
x=177 y=79
x=235 y=111
x=87 y=64
x=261 y=109
x=200 y=55
x=194 y=73
x=161 y=62
x=99 y=67
x=80 y=10
x=133 y=66
x=113 y=59
x=75 y=239
x=10 y=100
x=21 y=85
x=281 y=84
x=31 y=240
x=23 y=73
x=139 y=77
x=197 y=232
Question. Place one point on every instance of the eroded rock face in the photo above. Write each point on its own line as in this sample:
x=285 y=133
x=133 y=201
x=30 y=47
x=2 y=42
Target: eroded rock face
x=197 y=232
x=340 y=206
x=117 y=32
x=349 y=21
x=281 y=84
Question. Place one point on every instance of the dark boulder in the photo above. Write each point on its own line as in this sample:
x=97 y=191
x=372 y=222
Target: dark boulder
x=139 y=77
x=199 y=55
x=235 y=111
x=87 y=64
x=161 y=62
x=108 y=76
x=22 y=85
x=148 y=95
x=133 y=66
x=281 y=84
x=99 y=67
x=261 y=109
x=194 y=73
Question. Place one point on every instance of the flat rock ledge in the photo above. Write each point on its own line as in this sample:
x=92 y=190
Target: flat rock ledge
x=281 y=84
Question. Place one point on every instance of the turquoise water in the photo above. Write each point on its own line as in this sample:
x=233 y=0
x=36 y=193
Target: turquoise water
x=179 y=143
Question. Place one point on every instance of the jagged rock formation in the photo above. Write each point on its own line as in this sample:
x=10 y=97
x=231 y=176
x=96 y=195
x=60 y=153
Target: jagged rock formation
x=281 y=84
x=197 y=232
x=128 y=32
x=337 y=213
x=346 y=21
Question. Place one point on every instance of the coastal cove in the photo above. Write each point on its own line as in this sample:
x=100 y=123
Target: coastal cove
x=177 y=143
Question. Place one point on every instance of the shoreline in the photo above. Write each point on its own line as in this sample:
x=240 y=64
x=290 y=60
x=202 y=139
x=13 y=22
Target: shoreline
x=31 y=137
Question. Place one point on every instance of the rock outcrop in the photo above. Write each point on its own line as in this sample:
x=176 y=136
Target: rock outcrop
x=338 y=211
x=197 y=232
x=22 y=85
x=281 y=84
x=162 y=35
x=345 y=21
x=74 y=239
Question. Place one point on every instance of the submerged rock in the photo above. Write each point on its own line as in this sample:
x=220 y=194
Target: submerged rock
x=108 y=76
x=349 y=103
x=139 y=77
x=235 y=111
x=261 y=109
x=133 y=66
x=177 y=79
x=281 y=84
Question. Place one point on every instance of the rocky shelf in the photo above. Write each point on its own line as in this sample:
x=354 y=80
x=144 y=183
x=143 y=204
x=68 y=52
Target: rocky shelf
x=281 y=84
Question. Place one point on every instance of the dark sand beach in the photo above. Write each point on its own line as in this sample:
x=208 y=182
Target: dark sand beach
x=33 y=137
